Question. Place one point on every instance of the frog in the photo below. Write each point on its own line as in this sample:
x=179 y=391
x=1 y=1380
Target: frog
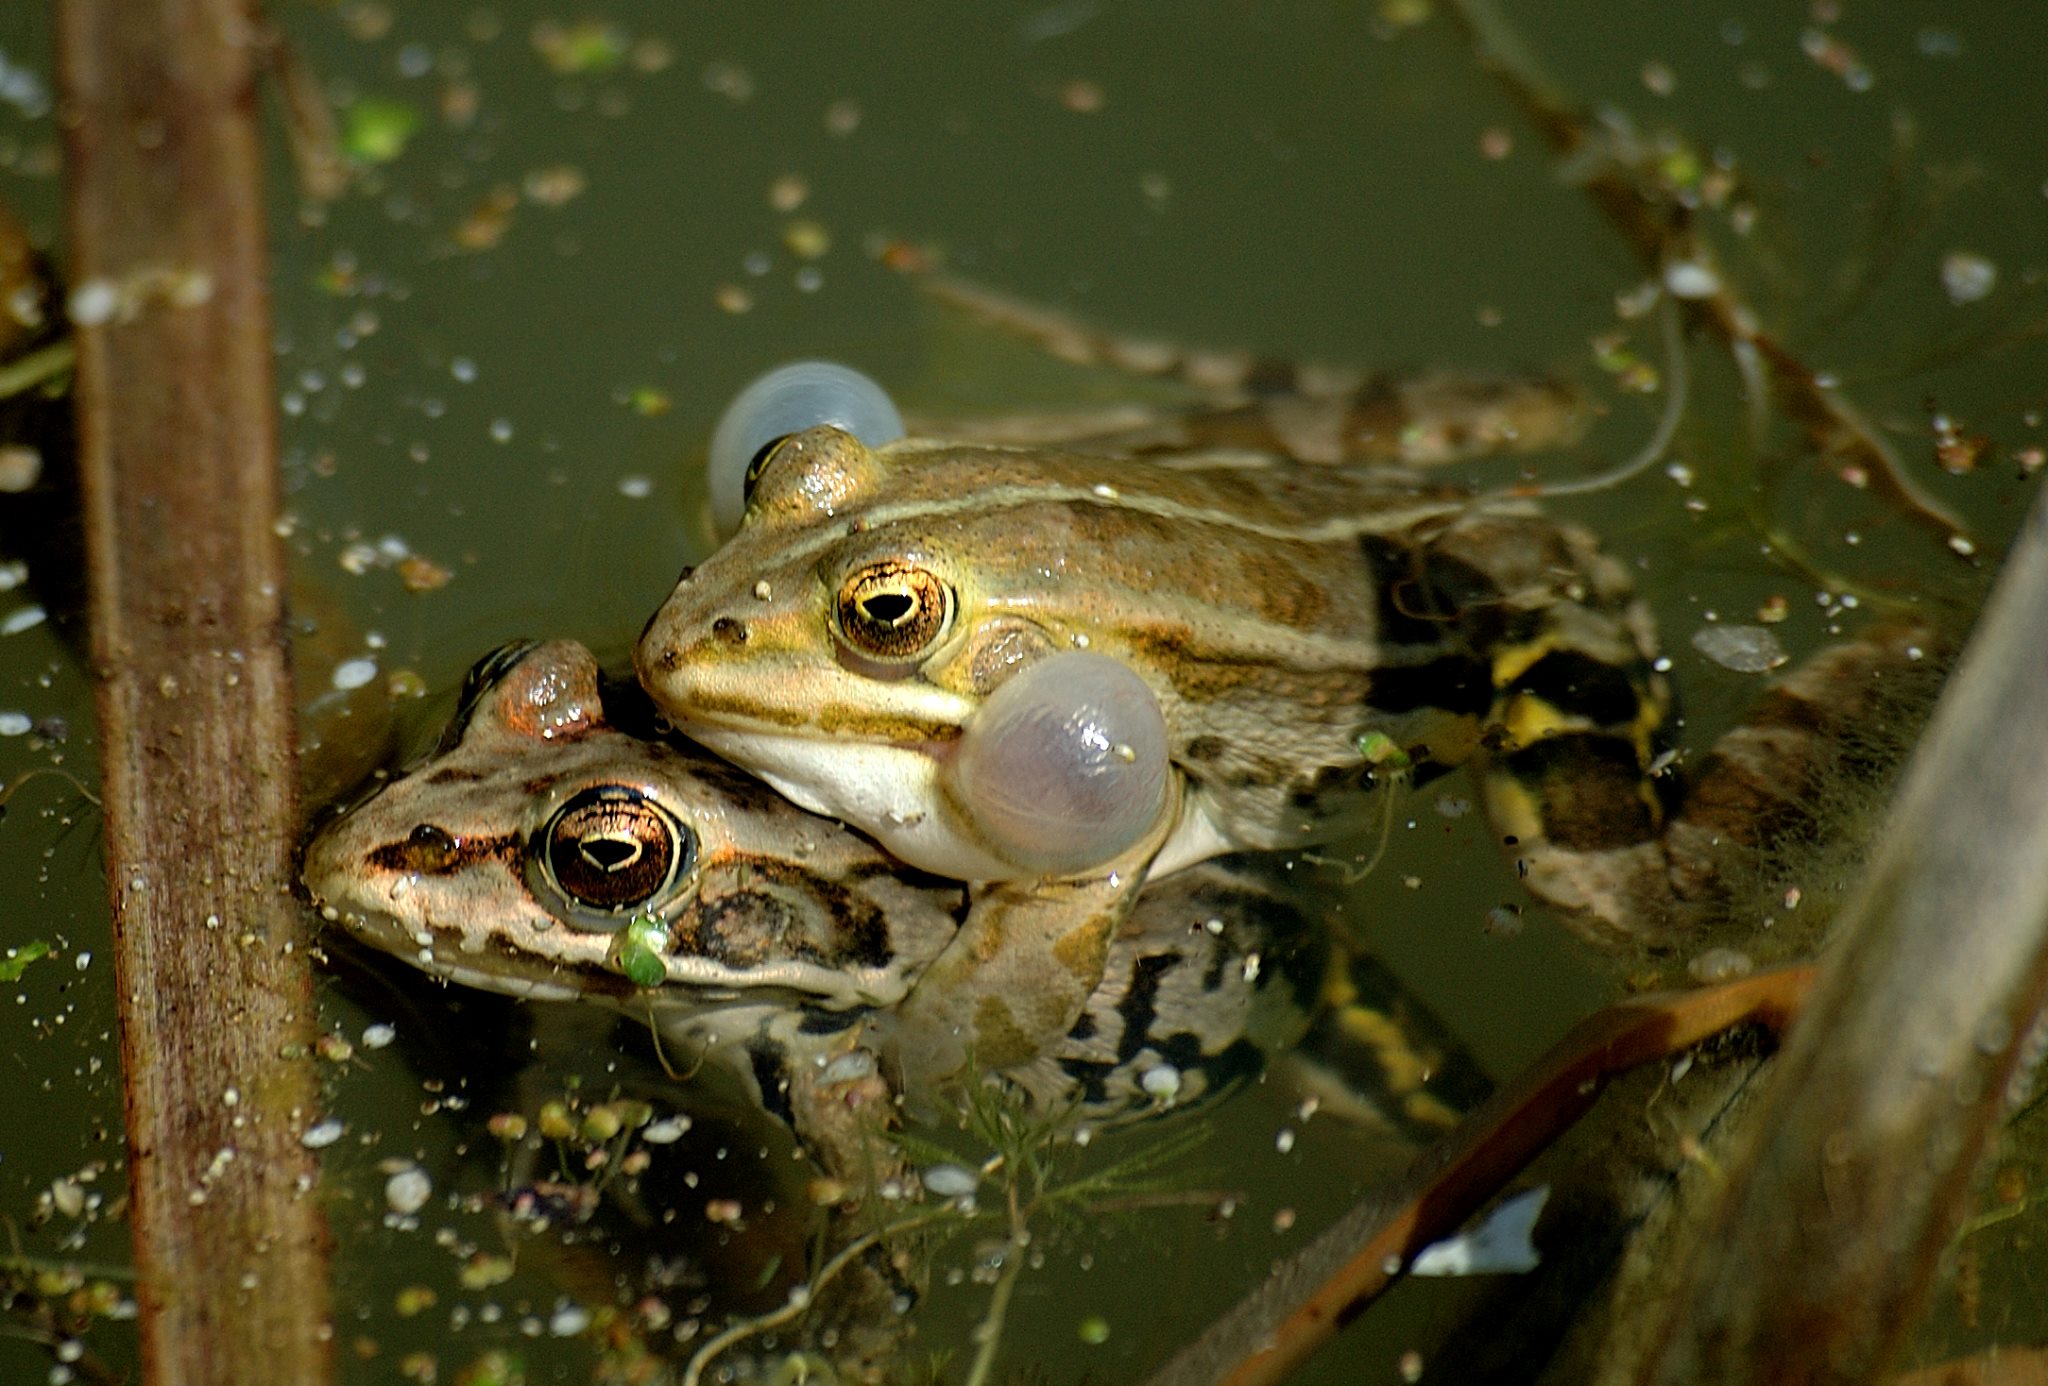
x=1061 y=671
x=555 y=846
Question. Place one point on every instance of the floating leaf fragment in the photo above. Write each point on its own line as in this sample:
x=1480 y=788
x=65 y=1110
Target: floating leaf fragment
x=20 y=956
x=376 y=129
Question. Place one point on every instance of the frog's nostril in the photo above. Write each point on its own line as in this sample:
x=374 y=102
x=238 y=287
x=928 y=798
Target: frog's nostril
x=731 y=631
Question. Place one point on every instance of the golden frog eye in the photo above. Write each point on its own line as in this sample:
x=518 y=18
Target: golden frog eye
x=893 y=610
x=612 y=850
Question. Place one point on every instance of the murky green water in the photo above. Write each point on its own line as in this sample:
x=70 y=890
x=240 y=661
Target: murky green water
x=502 y=350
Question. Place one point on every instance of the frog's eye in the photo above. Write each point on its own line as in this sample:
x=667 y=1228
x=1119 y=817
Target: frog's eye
x=892 y=611
x=1065 y=764
x=790 y=399
x=609 y=851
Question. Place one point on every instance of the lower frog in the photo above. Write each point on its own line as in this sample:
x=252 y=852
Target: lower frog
x=1058 y=673
x=548 y=851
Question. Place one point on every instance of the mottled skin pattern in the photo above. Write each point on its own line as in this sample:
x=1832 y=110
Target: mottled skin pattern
x=792 y=940
x=1279 y=613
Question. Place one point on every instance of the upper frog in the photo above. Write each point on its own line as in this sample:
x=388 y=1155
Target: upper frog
x=547 y=850
x=1057 y=672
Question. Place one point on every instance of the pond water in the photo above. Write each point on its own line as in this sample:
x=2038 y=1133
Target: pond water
x=576 y=233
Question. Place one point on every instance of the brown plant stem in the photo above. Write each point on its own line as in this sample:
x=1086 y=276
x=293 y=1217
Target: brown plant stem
x=1306 y=1301
x=189 y=649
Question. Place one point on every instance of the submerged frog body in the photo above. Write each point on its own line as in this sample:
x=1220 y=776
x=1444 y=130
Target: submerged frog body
x=1288 y=637
x=1058 y=674
x=547 y=852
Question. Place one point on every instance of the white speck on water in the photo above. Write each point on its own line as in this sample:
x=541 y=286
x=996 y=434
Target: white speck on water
x=15 y=723
x=463 y=369
x=1162 y=1082
x=12 y=575
x=1690 y=279
x=501 y=430
x=1967 y=277
x=1284 y=1141
x=322 y=1134
x=636 y=486
x=667 y=1131
x=1500 y=1244
x=568 y=1320
x=354 y=673
x=83 y=960
x=379 y=1035
x=950 y=1181
x=407 y=1191
x=93 y=303
x=23 y=618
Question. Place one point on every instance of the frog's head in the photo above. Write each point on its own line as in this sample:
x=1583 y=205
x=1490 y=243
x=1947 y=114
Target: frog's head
x=885 y=639
x=544 y=852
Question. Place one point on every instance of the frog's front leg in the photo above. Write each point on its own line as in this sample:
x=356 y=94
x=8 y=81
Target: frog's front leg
x=1018 y=974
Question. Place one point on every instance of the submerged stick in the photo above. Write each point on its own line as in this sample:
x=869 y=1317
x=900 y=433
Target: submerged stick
x=1892 y=1089
x=1309 y=1299
x=180 y=491
x=1625 y=183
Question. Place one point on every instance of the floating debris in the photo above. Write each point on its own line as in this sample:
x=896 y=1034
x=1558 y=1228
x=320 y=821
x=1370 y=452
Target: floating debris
x=322 y=1134
x=667 y=1131
x=352 y=674
x=950 y=1181
x=1500 y=1245
x=21 y=467
x=1967 y=277
x=1745 y=649
x=375 y=130
x=1720 y=965
x=407 y=1191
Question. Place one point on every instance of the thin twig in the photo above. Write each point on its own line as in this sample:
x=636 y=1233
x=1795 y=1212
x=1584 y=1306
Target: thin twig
x=38 y=367
x=1622 y=182
x=1304 y=1302
x=693 y=1373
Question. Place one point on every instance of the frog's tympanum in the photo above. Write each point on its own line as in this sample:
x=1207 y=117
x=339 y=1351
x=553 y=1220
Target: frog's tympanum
x=1054 y=674
x=546 y=851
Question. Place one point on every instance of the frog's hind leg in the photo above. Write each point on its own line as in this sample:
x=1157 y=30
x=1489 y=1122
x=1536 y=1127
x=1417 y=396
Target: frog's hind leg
x=1629 y=856
x=1246 y=401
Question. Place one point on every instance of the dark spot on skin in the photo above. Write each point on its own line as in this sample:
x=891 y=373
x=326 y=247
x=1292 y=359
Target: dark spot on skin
x=455 y=774
x=1090 y=1077
x=1084 y=1027
x=772 y=1074
x=539 y=785
x=821 y=1022
x=1140 y=1005
x=1458 y=684
x=1577 y=683
x=1205 y=748
x=1427 y=597
x=730 y=630
x=431 y=851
